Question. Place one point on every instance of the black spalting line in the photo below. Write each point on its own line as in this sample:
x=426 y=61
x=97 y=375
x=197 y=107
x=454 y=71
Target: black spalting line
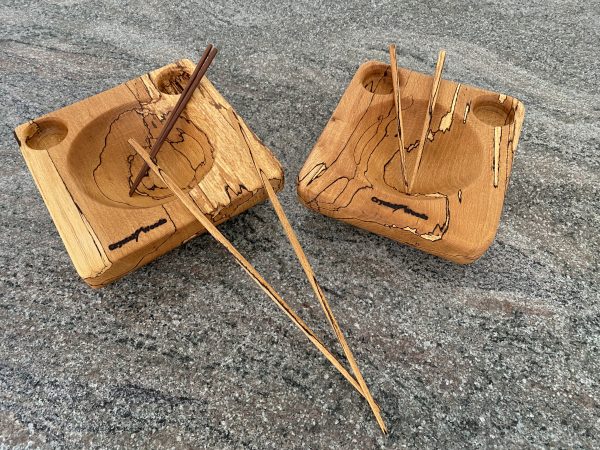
x=397 y=206
x=136 y=234
x=17 y=138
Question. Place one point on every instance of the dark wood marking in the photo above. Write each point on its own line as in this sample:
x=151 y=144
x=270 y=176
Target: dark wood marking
x=17 y=138
x=399 y=206
x=136 y=234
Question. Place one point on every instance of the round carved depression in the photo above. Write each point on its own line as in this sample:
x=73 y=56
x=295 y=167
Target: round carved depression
x=492 y=111
x=377 y=79
x=106 y=165
x=173 y=80
x=451 y=161
x=45 y=133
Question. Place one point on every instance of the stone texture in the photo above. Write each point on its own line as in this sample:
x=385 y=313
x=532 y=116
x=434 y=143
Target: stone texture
x=186 y=352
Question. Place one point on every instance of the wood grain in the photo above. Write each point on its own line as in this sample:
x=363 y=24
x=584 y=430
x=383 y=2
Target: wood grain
x=83 y=165
x=455 y=204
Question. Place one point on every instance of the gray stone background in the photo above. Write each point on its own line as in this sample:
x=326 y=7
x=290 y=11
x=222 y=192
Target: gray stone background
x=187 y=352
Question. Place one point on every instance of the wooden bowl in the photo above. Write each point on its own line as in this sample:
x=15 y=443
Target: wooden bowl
x=83 y=166
x=353 y=173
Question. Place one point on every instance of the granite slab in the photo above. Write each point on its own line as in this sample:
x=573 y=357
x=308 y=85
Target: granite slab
x=188 y=353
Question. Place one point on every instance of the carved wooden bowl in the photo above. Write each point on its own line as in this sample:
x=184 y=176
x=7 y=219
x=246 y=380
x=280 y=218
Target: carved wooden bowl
x=353 y=173
x=83 y=166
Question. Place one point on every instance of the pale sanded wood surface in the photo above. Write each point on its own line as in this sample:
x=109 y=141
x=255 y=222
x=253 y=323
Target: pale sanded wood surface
x=181 y=355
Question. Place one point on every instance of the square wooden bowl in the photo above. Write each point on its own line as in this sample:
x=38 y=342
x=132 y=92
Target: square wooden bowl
x=353 y=173
x=83 y=166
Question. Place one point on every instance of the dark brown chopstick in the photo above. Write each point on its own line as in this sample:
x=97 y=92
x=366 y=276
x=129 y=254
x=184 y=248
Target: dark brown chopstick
x=201 y=68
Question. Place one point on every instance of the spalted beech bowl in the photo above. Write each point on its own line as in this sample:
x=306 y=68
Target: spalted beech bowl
x=354 y=171
x=83 y=166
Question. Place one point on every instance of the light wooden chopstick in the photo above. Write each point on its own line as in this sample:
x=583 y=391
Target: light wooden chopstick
x=398 y=106
x=435 y=88
x=189 y=203
x=310 y=275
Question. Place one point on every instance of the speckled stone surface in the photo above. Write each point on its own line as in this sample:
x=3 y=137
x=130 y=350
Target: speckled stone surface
x=187 y=352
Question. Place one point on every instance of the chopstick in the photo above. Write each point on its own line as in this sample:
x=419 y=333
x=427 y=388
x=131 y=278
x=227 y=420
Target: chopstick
x=310 y=275
x=397 y=104
x=435 y=87
x=201 y=68
x=189 y=203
